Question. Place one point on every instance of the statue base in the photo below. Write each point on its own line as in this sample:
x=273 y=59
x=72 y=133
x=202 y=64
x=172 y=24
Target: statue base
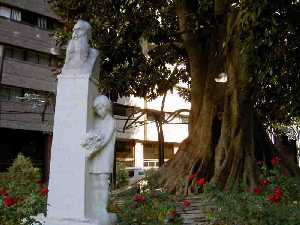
x=60 y=221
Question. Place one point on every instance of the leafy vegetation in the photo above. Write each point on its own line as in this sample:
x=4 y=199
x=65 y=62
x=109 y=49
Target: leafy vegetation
x=122 y=175
x=147 y=204
x=22 y=196
x=255 y=43
x=275 y=201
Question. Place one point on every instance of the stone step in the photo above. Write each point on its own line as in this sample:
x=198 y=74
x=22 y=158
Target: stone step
x=194 y=214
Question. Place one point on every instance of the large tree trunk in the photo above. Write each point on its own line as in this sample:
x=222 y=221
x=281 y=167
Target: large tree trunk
x=226 y=139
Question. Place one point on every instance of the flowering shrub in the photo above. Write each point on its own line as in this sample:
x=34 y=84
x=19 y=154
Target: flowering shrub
x=151 y=206
x=275 y=201
x=148 y=208
x=21 y=194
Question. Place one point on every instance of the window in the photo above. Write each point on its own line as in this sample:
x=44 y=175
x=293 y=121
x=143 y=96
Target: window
x=44 y=59
x=16 y=53
x=151 y=164
x=29 y=56
x=184 y=119
x=42 y=22
x=10 y=93
x=122 y=110
x=15 y=15
x=32 y=56
x=124 y=153
x=5 y=12
x=28 y=17
x=4 y=93
x=8 y=52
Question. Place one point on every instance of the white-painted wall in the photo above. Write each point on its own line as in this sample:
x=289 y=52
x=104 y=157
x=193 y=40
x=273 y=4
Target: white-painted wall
x=173 y=132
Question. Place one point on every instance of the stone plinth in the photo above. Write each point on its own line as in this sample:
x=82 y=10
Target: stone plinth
x=73 y=117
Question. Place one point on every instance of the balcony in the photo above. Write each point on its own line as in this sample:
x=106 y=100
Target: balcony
x=37 y=6
x=26 y=36
x=28 y=75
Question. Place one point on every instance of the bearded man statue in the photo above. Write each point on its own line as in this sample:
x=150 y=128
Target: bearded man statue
x=80 y=58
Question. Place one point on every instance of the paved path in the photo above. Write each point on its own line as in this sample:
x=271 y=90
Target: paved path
x=194 y=214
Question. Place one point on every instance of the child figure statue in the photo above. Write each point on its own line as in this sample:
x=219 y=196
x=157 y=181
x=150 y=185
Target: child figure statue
x=99 y=145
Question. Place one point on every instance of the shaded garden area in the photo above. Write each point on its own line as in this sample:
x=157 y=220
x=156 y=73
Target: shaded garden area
x=240 y=63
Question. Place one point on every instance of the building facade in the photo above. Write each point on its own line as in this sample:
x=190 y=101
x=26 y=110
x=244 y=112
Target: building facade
x=137 y=146
x=27 y=91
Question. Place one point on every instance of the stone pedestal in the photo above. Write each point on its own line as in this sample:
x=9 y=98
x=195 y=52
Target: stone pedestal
x=73 y=117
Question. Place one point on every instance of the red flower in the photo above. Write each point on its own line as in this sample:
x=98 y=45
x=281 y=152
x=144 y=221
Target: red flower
x=257 y=190
x=139 y=198
x=44 y=192
x=186 y=203
x=191 y=177
x=275 y=197
x=264 y=182
x=278 y=191
x=173 y=213
x=200 y=182
x=8 y=201
x=275 y=161
x=3 y=192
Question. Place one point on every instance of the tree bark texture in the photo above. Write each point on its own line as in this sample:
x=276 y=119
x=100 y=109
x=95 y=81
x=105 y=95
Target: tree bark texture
x=226 y=139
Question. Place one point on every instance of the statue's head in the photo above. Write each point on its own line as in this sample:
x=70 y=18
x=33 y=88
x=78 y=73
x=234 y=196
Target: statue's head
x=82 y=28
x=102 y=105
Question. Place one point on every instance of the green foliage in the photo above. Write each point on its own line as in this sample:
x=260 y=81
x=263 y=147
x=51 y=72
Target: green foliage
x=150 y=181
x=118 y=27
x=275 y=201
x=148 y=208
x=266 y=33
x=122 y=175
x=270 y=39
x=21 y=194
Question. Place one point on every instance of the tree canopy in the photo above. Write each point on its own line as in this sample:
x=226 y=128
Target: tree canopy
x=269 y=35
x=254 y=44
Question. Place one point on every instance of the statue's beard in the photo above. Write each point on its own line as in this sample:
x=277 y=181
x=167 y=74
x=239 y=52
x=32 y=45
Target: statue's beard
x=81 y=47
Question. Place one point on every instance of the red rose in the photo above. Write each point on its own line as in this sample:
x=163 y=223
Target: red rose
x=3 y=192
x=264 y=182
x=200 y=182
x=8 y=201
x=186 y=203
x=44 y=192
x=173 y=213
x=139 y=198
x=257 y=190
x=275 y=161
x=275 y=197
x=191 y=177
x=278 y=192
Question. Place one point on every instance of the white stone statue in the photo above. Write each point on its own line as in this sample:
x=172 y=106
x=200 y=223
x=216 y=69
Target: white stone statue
x=99 y=145
x=80 y=58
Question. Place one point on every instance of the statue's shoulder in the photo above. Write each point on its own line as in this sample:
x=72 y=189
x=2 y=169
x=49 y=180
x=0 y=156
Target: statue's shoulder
x=93 y=53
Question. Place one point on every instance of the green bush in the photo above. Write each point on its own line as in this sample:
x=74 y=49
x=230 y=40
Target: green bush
x=21 y=193
x=121 y=175
x=275 y=201
x=149 y=208
x=151 y=181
